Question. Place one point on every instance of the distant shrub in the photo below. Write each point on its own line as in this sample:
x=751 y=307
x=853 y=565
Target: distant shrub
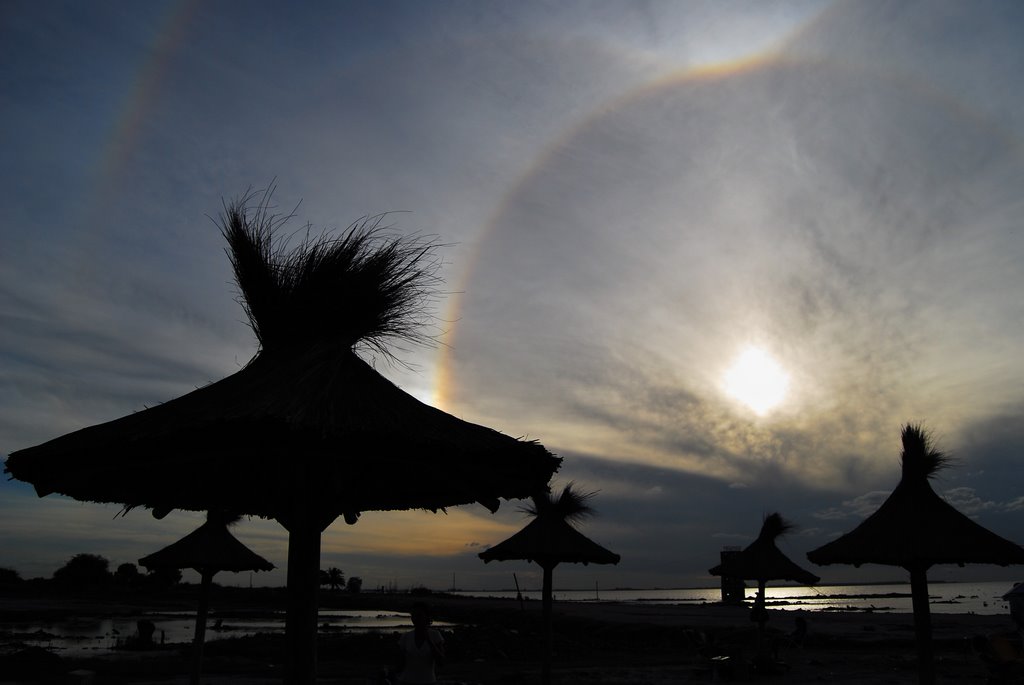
x=8 y=576
x=83 y=570
x=127 y=574
x=162 y=578
x=355 y=585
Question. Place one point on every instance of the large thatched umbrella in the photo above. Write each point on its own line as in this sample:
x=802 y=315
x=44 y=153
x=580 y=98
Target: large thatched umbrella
x=307 y=430
x=762 y=561
x=915 y=529
x=208 y=549
x=550 y=539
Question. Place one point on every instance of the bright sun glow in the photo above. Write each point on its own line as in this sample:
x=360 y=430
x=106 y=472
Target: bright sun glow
x=757 y=380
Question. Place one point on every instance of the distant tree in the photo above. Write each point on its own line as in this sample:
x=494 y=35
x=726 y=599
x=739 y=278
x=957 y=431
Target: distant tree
x=335 y=578
x=8 y=576
x=355 y=585
x=127 y=574
x=83 y=570
x=163 y=577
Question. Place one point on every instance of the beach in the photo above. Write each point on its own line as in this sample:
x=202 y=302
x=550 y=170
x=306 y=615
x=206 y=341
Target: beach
x=500 y=641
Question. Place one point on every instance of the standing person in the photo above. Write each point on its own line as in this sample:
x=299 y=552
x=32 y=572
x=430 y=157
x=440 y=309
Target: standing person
x=1016 y=599
x=421 y=649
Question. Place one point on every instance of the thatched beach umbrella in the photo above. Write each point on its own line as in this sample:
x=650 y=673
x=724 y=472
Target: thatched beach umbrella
x=916 y=529
x=762 y=561
x=551 y=539
x=208 y=549
x=307 y=430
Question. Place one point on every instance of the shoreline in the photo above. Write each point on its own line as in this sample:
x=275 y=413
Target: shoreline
x=499 y=641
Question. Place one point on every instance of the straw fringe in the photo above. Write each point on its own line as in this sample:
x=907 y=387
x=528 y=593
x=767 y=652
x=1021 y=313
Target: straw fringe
x=364 y=287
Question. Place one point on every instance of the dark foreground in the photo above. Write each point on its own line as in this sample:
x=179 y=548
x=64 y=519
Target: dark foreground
x=499 y=642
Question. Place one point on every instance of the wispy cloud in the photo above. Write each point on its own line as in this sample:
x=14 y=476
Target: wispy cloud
x=633 y=195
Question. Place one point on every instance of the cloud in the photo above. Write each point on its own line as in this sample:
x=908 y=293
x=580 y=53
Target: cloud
x=646 y=249
x=861 y=506
x=620 y=229
x=967 y=501
x=404 y=534
x=831 y=514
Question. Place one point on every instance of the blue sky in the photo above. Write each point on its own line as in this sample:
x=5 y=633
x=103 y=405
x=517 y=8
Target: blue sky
x=629 y=195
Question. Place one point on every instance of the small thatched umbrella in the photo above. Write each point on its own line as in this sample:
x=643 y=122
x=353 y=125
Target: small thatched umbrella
x=551 y=539
x=208 y=549
x=915 y=529
x=307 y=430
x=762 y=561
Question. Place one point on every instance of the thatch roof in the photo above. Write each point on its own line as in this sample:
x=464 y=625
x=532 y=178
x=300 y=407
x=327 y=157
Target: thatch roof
x=915 y=527
x=551 y=537
x=208 y=549
x=326 y=423
x=762 y=560
x=549 y=542
x=306 y=419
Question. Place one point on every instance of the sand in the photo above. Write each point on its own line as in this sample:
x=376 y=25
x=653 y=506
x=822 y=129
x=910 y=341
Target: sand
x=500 y=641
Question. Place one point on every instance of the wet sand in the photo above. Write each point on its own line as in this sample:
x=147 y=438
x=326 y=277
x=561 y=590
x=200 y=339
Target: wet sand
x=500 y=641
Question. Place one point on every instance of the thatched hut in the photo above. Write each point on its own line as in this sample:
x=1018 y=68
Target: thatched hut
x=307 y=430
x=551 y=539
x=916 y=529
x=209 y=549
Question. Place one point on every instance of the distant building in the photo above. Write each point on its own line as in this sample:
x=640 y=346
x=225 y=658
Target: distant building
x=732 y=588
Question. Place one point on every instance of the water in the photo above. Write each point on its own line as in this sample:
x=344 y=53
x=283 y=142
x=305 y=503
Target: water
x=946 y=598
x=83 y=636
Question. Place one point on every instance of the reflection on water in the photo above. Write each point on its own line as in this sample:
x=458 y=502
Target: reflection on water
x=82 y=636
x=946 y=598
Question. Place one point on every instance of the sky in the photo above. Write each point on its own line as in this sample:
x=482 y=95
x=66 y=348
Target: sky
x=630 y=200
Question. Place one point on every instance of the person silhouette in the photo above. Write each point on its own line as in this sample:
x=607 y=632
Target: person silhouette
x=1016 y=600
x=421 y=650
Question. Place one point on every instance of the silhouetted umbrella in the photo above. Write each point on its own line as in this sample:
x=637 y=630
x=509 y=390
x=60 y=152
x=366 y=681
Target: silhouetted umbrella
x=208 y=549
x=365 y=445
x=307 y=430
x=762 y=561
x=550 y=543
x=549 y=540
x=915 y=529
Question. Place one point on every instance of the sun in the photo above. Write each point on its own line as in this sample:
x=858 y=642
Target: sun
x=757 y=380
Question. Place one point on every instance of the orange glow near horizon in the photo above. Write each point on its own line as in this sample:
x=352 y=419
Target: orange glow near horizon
x=417 y=533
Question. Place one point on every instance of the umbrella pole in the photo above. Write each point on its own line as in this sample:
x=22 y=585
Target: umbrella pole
x=301 y=615
x=546 y=613
x=761 y=614
x=200 y=637
x=922 y=624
